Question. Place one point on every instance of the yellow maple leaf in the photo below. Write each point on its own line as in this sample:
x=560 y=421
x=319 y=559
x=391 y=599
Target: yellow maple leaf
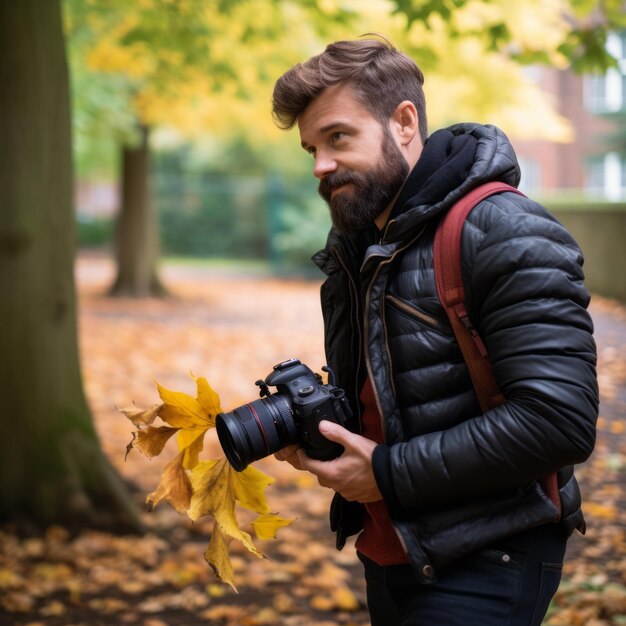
x=202 y=488
x=249 y=489
x=189 y=417
x=175 y=486
x=208 y=399
x=217 y=556
x=181 y=410
x=150 y=441
x=214 y=495
x=266 y=526
x=190 y=442
x=142 y=417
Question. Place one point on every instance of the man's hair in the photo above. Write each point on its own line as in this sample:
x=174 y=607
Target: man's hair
x=381 y=75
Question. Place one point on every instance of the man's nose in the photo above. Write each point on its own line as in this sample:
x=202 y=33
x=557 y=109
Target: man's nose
x=324 y=164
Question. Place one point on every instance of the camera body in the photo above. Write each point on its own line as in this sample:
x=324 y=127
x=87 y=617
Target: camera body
x=291 y=415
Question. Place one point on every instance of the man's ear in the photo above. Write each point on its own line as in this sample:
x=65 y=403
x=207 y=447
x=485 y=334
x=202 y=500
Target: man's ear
x=405 y=122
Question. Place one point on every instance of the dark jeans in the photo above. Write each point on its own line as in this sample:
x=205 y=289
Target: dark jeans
x=509 y=584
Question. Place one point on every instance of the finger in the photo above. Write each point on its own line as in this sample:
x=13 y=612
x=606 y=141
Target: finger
x=335 y=432
x=286 y=452
x=322 y=469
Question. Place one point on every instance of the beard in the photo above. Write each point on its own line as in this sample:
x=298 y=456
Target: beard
x=373 y=190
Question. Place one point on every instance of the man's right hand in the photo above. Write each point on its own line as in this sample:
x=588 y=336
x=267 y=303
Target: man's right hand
x=290 y=454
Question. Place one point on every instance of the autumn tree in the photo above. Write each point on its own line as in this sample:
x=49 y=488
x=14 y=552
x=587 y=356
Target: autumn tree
x=193 y=66
x=52 y=469
x=203 y=67
x=574 y=30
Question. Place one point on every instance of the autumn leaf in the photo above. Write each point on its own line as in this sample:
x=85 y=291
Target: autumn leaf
x=190 y=441
x=203 y=488
x=249 y=489
x=142 y=417
x=150 y=441
x=189 y=417
x=175 y=486
x=216 y=555
x=266 y=526
x=182 y=411
x=217 y=488
x=214 y=495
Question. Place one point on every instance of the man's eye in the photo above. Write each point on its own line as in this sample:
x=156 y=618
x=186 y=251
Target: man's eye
x=311 y=151
x=337 y=136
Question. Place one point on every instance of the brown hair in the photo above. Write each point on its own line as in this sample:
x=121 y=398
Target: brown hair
x=382 y=76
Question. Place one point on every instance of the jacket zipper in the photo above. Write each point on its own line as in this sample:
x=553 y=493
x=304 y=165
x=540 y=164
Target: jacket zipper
x=366 y=308
x=357 y=316
x=413 y=312
x=369 y=364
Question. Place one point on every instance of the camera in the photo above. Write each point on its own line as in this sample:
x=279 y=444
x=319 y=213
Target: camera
x=290 y=415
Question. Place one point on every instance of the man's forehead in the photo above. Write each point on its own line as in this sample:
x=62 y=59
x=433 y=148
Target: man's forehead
x=337 y=104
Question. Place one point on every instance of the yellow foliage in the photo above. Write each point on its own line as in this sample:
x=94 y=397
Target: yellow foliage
x=266 y=526
x=470 y=84
x=175 y=486
x=534 y=25
x=201 y=488
x=241 y=51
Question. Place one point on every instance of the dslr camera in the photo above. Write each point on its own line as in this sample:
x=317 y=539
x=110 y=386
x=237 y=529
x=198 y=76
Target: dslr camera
x=290 y=415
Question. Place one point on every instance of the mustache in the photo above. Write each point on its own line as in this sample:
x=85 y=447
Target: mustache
x=334 y=180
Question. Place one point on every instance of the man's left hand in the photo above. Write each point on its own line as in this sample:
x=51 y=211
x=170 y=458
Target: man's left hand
x=351 y=474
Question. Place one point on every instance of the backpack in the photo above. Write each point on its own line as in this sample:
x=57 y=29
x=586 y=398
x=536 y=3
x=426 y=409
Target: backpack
x=451 y=292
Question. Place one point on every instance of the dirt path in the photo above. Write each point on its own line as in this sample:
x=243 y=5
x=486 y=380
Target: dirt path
x=231 y=327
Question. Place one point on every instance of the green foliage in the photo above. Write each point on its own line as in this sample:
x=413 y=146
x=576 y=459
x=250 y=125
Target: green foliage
x=422 y=11
x=94 y=233
x=205 y=216
x=190 y=65
x=303 y=230
x=586 y=50
x=583 y=43
x=212 y=213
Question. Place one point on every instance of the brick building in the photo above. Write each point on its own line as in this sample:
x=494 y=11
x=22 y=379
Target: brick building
x=586 y=164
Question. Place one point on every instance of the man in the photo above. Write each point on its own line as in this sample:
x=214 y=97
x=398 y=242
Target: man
x=454 y=525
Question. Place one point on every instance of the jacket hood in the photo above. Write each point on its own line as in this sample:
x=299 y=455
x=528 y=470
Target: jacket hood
x=454 y=161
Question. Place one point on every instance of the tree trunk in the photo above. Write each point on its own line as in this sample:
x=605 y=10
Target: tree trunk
x=137 y=226
x=52 y=469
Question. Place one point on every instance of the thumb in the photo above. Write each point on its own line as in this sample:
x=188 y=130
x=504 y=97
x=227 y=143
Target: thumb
x=334 y=432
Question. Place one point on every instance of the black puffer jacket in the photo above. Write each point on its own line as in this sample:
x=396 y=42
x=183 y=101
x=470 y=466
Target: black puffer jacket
x=455 y=480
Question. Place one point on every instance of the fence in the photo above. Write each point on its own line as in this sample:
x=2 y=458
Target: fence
x=244 y=217
x=600 y=230
x=284 y=221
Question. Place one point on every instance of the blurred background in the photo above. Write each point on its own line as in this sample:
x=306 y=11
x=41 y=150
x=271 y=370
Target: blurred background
x=155 y=222
x=187 y=85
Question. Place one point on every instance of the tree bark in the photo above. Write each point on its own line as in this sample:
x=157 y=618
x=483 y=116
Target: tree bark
x=52 y=468
x=137 y=226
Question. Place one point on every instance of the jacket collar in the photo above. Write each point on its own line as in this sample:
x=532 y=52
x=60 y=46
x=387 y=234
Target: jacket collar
x=454 y=161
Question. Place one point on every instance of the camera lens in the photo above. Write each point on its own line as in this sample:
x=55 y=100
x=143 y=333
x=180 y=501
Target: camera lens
x=256 y=430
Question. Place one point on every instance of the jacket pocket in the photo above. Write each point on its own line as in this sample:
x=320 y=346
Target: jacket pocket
x=411 y=312
x=452 y=533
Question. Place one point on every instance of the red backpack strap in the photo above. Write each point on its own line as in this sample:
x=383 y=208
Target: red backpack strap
x=447 y=252
x=451 y=292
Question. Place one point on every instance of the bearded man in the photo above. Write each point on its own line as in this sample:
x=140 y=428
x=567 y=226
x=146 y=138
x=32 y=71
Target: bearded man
x=454 y=527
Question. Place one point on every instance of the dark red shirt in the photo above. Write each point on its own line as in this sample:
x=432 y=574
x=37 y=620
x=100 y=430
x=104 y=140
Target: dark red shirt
x=378 y=541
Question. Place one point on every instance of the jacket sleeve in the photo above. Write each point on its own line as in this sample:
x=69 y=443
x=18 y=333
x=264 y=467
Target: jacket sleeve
x=523 y=276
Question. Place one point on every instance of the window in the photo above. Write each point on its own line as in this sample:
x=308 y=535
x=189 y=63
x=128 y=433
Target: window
x=530 y=181
x=606 y=93
x=607 y=176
